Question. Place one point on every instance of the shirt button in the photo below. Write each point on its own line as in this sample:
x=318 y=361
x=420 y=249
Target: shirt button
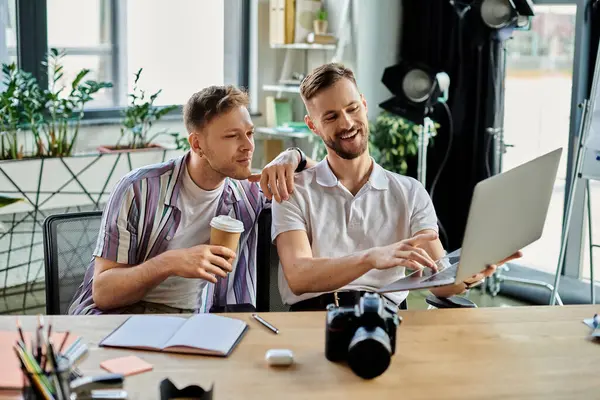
x=168 y=237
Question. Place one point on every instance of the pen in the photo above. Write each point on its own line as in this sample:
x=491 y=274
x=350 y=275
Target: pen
x=265 y=323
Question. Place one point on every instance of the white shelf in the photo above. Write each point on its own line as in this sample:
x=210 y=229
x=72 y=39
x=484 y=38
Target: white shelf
x=281 y=134
x=282 y=88
x=304 y=46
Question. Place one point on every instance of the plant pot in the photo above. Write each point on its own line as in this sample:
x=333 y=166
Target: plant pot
x=320 y=26
x=48 y=186
x=127 y=149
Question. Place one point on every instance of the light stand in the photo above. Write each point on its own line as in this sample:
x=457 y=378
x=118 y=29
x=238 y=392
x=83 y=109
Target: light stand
x=423 y=142
x=417 y=89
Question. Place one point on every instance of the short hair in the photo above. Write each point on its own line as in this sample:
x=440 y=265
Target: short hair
x=211 y=102
x=323 y=77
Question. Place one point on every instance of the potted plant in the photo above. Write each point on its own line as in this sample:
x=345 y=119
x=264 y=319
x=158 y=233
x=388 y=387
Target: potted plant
x=138 y=119
x=393 y=141
x=38 y=137
x=20 y=106
x=36 y=123
x=65 y=113
x=320 y=22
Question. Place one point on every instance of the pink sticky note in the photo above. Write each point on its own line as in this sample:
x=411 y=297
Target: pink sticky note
x=127 y=366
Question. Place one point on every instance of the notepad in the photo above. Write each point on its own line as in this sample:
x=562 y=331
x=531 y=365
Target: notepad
x=130 y=365
x=206 y=334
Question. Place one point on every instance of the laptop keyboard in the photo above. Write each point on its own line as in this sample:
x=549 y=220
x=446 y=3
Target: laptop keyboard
x=449 y=272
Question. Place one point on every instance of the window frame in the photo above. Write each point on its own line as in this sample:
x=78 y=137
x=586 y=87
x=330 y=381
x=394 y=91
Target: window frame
x=32 y=47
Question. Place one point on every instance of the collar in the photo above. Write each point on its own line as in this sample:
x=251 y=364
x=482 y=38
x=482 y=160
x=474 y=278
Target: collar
x=176 y=180
x=325 y=176
x=232 y=192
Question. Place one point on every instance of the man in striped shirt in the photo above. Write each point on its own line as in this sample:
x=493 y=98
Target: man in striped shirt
x=152 y=254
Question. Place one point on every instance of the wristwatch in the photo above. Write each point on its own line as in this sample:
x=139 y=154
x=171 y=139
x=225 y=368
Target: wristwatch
x=302 y=164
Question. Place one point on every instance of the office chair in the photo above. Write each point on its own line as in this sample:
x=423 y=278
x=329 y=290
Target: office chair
x=267 y=261
x=69 y=241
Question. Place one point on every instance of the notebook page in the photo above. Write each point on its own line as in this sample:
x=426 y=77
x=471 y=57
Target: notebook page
x=144 y=331
x=209 y=332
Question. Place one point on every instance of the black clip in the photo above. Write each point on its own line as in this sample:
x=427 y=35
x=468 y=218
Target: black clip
x=169 y=391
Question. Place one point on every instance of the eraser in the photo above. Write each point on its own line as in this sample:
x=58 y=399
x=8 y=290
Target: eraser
x=279 y=357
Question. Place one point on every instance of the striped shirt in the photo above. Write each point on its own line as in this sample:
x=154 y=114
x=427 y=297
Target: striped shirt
x=141 y=216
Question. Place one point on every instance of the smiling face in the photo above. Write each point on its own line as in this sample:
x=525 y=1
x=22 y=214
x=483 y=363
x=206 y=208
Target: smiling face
x=338 y=114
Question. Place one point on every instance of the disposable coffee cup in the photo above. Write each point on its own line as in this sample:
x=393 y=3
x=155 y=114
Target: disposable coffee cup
x=225 y=231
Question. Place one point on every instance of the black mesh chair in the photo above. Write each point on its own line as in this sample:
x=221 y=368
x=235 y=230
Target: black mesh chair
x=69 y=241
x=267 y=260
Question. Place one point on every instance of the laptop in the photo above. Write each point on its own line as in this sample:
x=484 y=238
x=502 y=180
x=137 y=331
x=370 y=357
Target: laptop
x=507 y=213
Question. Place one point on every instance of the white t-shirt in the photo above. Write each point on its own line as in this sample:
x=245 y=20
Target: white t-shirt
x=387 y=209
x=198 y=207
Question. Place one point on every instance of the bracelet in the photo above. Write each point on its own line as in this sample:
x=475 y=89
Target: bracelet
x=302 y=164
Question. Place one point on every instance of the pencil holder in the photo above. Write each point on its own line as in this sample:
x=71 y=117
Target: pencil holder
x=39 y=385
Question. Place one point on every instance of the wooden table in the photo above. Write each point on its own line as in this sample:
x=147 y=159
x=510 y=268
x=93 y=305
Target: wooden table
x=491 y=353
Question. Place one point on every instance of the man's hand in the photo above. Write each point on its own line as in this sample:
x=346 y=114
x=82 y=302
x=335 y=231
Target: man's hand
x=405 y=253
x=460 y=288
x=277 y=177
x=489 y=271
x=204 y=262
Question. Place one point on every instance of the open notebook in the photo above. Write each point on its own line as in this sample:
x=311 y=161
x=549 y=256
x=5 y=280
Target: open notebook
x=201 y=334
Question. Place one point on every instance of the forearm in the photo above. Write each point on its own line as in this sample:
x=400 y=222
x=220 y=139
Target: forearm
x=313 y=275
x=123 y=286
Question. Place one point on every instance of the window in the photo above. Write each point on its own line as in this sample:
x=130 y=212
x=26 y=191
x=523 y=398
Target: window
x=538 y=94
x=180 y=57
x=8 y=32
x=83 y=30
x=180 y=45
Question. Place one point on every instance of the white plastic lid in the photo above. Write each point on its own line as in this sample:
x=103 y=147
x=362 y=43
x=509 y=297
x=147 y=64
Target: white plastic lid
x=227 y=224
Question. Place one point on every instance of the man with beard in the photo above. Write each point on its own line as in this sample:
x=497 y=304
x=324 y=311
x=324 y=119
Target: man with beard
x=153 y=253
x=351 y=226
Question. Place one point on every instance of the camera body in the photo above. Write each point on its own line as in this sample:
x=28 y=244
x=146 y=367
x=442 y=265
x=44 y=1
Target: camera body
x=363 y=335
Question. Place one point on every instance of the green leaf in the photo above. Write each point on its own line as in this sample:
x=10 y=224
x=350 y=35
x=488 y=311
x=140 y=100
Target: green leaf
x=79 y=77
x=6 y=201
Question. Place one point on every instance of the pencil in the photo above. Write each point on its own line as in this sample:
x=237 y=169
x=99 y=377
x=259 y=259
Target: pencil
x=64 y=341
x=40 y=326
x=36 y=377
x=20 y=330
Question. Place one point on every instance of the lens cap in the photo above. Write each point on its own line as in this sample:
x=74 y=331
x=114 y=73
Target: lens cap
x=369 y=352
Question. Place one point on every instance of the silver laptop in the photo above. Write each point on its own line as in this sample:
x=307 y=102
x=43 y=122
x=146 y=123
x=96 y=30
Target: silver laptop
x=507 y=213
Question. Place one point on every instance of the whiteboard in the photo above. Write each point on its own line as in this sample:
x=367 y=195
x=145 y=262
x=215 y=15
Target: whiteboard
x=590 y=168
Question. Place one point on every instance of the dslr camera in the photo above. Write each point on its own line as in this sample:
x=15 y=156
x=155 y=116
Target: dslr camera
x=363 y=335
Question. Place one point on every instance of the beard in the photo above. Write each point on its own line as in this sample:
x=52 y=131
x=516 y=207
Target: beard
x=229 y=168
x=337 y=143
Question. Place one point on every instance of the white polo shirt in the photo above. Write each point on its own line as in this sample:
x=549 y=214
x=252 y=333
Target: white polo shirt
x=387 y=209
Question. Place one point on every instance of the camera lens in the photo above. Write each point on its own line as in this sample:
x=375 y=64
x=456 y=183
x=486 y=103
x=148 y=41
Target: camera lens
x=369 y=352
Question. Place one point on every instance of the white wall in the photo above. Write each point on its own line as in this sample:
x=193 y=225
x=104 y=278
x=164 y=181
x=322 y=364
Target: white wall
x=374 y=28
x=378 y=28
